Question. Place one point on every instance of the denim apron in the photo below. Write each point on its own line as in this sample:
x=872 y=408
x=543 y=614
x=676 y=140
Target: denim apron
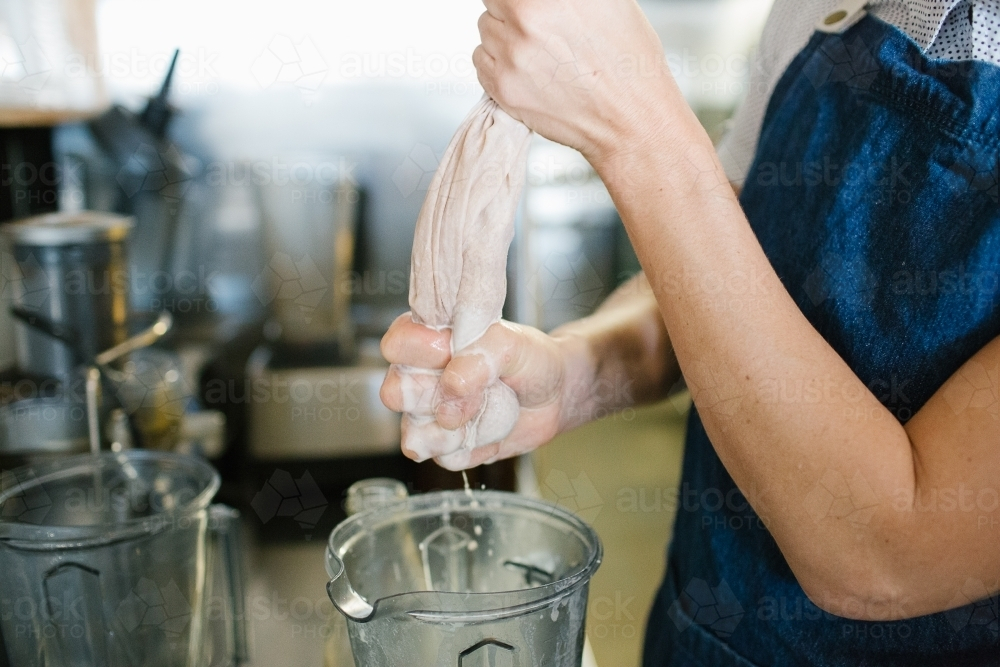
x=874 y=194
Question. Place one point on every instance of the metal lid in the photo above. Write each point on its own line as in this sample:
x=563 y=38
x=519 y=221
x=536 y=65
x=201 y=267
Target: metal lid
x=55 y=229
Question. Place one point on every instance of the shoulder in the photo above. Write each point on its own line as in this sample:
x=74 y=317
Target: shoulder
x=790 y=23
x=787 y=29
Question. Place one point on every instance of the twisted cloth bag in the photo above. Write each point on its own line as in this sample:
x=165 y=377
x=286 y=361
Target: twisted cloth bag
x=458 y=269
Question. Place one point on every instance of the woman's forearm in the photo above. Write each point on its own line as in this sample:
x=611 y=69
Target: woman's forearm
x=618 y=357
x=738 y=335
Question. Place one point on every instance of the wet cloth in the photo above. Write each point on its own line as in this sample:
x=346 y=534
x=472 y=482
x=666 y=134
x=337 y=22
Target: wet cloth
x=458 y=276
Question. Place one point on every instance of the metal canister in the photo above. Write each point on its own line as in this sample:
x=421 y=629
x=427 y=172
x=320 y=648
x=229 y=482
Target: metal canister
x=68 y=287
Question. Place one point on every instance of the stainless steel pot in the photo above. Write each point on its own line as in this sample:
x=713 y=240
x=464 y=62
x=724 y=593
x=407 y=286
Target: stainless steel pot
x=71 y=275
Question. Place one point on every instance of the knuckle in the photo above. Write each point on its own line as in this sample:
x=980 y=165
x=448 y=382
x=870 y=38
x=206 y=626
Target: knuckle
x=528 y=17
x=389 y=346
x=409 y=453
x=389 y=393
x=455 y=384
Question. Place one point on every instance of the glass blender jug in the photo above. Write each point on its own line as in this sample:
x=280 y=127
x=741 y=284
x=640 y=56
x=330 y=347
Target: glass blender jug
x=472 y=578
x=105 y=561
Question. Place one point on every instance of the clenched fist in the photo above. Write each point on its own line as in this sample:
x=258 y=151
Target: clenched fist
x=440 y=394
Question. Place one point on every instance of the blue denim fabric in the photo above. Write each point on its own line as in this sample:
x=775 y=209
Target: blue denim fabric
x=874 y=194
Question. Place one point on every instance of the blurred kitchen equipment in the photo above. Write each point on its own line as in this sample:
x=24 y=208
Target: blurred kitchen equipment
x=151 y=389
x=570 y=250
x=107 y=557
x=100 y=368
x=35 y=429
x=71 y=272
x=48 y=47
x=68 y=287
x=313 y=389
x=47 y=52
x=374 y=493
x=298 y=411
x=152 y=176
x=707 y=44
x=310 y=220
x=142 y=339
x=475 y=577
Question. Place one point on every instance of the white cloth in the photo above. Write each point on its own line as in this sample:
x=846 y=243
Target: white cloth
x=944 y=29
x=458 y=274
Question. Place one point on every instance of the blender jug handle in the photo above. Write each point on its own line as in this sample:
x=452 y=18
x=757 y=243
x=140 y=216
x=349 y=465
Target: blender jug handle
x=342 y=594
x=225 y=534
x=64 y=585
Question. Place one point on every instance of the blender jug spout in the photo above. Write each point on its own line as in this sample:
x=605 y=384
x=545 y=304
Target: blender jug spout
x=342 y=594
x=368 y=494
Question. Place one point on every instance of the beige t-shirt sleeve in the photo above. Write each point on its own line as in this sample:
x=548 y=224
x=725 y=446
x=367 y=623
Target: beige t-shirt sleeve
x=786 y=31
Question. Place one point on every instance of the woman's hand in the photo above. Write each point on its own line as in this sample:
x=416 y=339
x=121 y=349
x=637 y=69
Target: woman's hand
x=614 y=359
x=541 y=370
x=589 y=74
